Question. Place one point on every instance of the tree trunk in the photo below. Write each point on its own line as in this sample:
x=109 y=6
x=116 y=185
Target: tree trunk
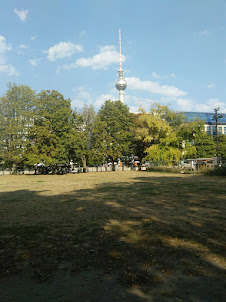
x=113 y=165
x=14 y=168
x=84 y=164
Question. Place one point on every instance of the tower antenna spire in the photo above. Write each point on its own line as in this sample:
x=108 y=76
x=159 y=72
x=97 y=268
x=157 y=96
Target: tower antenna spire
x=120 y=48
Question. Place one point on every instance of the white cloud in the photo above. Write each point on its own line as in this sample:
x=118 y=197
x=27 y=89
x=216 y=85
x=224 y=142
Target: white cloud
x=106 y=57
x=82 y=33
x=179 y=104
x=134 y=109
x=204 y=32
x=63 y=49
x=34 y=62
x=104 y=97
x=208 y=106
x=154 y=87
x=23 y=46
x=211 y=85
x=155 y=75
x=58 y=69
x=32 y=38
x=22 y=14
x=83 y=97
x=9 y=69
x=214 y=103
x=4 y=67
x=141 y=102
x=4 y=47
x=185 y=104
x=135 y=103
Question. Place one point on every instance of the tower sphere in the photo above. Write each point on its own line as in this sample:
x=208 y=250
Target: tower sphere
x=120 y=83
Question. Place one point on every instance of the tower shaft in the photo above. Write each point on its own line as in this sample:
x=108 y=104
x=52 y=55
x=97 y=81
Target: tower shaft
x=120 y=83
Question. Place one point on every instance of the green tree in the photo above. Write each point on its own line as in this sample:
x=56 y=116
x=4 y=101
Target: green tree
x=196 y=142
x=113 y=133
x=156 y=138
x=163 y=153
x=174 y=118
x=16 y=119
x=42 y=146
x=222 y=146
x=51 y=130
x=205 y=146
x=188 y=133
x=192 y=130
x=83 y=125
x=99 y=139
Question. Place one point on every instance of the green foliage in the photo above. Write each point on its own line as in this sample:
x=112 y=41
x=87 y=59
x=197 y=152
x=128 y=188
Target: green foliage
x=205 y=146
x=192 y=130
x=222 y=146
x=86 y=121
x=43 y=128
x=218 y=171
x=174 y=118
x=49 y=135
x=156 y=137
x=113 y=132
x=164 y=169
x=42 y=148
x=189 y=150
x=163 y=153
x=197 y=144
x=149 y=129
x=16 y=119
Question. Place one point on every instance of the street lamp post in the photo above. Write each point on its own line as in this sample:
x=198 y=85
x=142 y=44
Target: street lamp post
x=216 y=117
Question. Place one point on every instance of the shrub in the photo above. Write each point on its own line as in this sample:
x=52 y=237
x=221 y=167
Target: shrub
x=164 y=169
x=218 y=171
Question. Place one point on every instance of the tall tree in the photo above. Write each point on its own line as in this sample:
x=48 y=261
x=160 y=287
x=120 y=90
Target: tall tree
x=205 y=146
x=52 y=125
x=174 y=118
x=222 y=146
x=16 y=119
x=156 y=138
x=113 y=133
x=83 y=124
x=196 y=142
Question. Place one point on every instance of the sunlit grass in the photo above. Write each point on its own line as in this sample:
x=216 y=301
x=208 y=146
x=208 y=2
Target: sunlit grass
x=135 y=223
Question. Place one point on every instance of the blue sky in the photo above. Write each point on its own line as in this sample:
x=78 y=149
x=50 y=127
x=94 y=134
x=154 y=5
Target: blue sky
x=174 y=51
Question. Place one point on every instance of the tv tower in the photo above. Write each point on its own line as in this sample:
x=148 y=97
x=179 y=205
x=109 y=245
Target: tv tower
x=120 y=83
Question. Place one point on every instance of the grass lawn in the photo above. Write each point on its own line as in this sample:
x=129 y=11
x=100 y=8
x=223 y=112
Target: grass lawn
x=159 y=235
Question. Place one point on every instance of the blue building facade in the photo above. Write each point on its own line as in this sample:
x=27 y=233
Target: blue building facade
x=210 y=122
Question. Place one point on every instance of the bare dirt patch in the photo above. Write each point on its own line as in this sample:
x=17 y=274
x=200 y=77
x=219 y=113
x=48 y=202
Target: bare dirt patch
x=144 y=236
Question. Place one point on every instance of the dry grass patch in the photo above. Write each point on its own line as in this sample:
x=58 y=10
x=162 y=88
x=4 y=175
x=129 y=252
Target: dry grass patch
x=146 y=227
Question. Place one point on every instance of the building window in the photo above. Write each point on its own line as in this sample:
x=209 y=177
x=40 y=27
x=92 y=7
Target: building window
x=224 y=130
x=220 y=129
x=208 y=130
x=214 y=130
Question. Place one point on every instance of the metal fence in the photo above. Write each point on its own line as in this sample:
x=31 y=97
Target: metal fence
x=26 y=171
x=4 y=171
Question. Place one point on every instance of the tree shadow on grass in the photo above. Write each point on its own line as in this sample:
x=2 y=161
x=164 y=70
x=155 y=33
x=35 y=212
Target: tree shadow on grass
x=161 y=235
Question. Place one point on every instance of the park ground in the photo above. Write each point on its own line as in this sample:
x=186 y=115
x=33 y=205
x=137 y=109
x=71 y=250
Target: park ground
x=112 y=236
